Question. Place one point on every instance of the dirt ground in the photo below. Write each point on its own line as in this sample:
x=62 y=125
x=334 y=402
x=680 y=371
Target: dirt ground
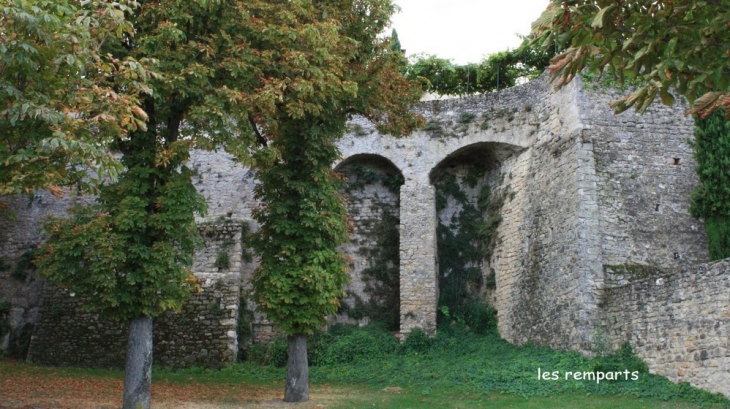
x=24 y=389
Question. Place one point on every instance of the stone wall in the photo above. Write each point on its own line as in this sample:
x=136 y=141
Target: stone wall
x=676 y=321
x=418 y=272
x=19 y=285
x=546 y=304
x=644 y=166
x=199 y=335
x=588 y=192
x=203 y=333
x=372 y=199
x=546 y=287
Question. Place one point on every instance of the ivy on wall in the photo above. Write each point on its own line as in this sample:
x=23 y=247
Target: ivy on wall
x=382 y=276
x=19 y=337
x=362 y=175
x=5 y=308
x=465 y=242
x=711 y=199
x=24 y=266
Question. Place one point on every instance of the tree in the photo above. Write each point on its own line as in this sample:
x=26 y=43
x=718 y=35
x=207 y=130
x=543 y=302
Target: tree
x=507 y=68
x=128 y=255
x=497 y=71
x=226 y=73
x=395 y=45
x=302 y=274
x=670 y=46
x=63 y=99
x=344 y=69
x=711 y=198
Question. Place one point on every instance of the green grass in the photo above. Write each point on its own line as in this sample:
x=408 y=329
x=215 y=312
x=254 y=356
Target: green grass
x=480 y=365
x=359 y=368
x=450 y=398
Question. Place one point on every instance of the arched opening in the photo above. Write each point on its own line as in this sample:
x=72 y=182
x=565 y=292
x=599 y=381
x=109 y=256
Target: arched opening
x=471 y=189
x=373 y=203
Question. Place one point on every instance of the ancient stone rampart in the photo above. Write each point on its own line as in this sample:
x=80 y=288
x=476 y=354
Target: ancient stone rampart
x=678 y=321
x=589 y=196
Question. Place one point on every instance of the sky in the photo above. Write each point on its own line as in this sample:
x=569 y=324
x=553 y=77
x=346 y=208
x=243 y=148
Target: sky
x=464 y=30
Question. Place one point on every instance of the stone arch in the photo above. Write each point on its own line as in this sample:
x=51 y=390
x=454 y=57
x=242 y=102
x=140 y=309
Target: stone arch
x=373 y=203
x=471 y=185
x=375 y=158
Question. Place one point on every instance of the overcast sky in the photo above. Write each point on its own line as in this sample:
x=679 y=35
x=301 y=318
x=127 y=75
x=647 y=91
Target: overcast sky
x=464 y=30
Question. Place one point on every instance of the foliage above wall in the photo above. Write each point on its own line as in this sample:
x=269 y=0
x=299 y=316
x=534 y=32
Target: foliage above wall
x=498 y=71
x=673 y=47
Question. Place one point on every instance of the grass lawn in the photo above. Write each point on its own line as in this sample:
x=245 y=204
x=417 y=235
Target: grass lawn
x=27 y=386
x=368 y=368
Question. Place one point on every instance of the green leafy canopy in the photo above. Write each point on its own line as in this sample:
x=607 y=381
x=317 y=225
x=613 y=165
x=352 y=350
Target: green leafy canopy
x=672 y=46
x=497 y=71
x=337 y=67
x=127 y=256
x=62 y=99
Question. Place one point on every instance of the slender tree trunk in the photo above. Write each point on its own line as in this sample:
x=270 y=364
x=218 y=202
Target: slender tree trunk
x=297 y=370
x=138 y=371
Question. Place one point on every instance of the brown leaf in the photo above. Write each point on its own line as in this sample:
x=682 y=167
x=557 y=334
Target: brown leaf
x=56 y=191
x=140 y=113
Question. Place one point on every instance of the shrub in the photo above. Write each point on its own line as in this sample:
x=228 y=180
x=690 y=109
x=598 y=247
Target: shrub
x=417 y=342
x=466 y=117
x=277 y=352
x=346 y=344
x=622 y=359
x=222 y=262
x=256 y=353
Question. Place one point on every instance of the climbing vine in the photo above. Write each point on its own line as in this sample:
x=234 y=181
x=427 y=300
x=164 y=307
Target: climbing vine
x=711 y=199
x=364 y=175
x=382 y=276
x=465 y=242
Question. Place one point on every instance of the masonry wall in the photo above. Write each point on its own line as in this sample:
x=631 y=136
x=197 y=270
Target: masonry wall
x=19 y=285
x=657 y=296
x=677 y=321
x=551 y=301
x=593 y=196
x=203 y=333
x=372 y=199
x=645 y=175
x=199 y=335
x=547 y=285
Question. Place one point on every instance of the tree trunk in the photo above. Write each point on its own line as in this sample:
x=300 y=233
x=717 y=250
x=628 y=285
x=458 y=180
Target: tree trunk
x=297 y=370
x=138 y=370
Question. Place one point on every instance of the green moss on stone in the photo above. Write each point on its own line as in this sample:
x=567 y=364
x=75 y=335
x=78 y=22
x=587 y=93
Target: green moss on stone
x=632 y=270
